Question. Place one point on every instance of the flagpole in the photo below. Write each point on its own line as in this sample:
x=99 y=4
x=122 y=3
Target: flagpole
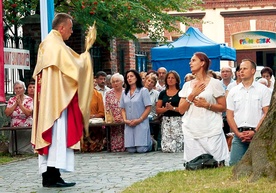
x=51 y=10
x=46 y=17
x=2 y=70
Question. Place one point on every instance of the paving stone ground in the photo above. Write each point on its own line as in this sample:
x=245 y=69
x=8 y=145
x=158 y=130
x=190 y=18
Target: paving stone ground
x=94 y=172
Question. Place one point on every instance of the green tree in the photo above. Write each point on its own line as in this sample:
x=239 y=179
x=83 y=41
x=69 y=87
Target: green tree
x=14 y=11
x=120 y=19
x=125 y=18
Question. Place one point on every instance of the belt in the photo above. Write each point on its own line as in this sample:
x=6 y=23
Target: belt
x=241 y=129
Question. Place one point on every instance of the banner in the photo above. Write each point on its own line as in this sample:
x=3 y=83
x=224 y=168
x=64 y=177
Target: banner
x=254 y=40
x=16 y=58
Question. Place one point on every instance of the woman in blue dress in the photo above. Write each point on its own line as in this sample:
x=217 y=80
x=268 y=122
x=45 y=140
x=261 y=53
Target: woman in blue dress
x=136 y=105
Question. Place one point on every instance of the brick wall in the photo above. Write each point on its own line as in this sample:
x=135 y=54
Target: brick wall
x=128 y=49
x=213 y=4
x=145 y=45
x=237 y=24
x=76 y=40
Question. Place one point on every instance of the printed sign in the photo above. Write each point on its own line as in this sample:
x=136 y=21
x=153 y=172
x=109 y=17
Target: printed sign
x=16 y=58
x=254 y=40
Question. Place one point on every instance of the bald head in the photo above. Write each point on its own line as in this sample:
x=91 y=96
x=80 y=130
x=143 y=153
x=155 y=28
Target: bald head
x=162 y=73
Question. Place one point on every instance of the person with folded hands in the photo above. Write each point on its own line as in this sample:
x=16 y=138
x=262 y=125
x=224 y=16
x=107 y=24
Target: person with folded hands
x=20 y=109
x=247 y=106
x=112 y=108
x=202 y=102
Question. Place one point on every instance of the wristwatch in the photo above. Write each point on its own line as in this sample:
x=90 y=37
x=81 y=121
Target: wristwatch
x=174 y=108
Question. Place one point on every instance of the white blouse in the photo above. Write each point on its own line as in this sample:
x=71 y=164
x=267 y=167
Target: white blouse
x=199 y=122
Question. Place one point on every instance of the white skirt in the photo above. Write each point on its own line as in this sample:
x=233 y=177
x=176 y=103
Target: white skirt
x=59 y=155
x=215 y=145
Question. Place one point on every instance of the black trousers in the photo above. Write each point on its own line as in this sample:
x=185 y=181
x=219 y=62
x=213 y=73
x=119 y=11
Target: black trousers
x=226 y=128
x=155 y=130
x=51 y=176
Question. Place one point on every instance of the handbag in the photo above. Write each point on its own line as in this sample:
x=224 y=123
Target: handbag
x=108 y=117
x=201 y=162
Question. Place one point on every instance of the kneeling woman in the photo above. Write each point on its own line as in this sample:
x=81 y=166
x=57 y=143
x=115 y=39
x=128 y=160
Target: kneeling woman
x=136 y=105
x=202 y=101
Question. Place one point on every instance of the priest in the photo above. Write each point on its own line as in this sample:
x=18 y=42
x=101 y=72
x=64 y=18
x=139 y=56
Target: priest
x=64 y=83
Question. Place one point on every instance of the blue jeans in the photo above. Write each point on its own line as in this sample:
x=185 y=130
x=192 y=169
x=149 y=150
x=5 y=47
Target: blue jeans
x=238 y=149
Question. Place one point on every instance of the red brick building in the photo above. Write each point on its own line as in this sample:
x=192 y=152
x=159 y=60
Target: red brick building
x=247 y=25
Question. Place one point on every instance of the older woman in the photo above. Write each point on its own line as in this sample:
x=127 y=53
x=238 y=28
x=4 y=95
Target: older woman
x=202 y=101
x=135 y=104
x=112 y=105
x=167 y=104
x=20 y=109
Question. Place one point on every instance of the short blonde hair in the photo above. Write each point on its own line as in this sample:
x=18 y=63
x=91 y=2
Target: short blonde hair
x=153 y=77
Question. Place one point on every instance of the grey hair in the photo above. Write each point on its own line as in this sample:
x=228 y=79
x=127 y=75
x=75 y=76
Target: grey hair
x=20 y=82
x=117 y=75
x=108 y=77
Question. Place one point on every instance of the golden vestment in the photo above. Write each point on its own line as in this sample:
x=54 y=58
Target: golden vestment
x=61 y=74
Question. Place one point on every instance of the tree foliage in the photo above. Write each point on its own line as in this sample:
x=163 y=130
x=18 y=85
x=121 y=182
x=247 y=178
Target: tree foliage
x=125 y=18
x=14 y=11
x=121 y=18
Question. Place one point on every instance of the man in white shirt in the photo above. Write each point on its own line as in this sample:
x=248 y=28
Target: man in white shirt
x=160 y=85
x=101 y=83
x=226 y=76
x=247 y=106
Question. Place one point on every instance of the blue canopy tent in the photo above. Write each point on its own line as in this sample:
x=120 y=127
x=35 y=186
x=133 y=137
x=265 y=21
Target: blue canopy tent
x=177 y=55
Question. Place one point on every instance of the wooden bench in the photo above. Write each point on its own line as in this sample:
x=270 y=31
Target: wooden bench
x=14 y=136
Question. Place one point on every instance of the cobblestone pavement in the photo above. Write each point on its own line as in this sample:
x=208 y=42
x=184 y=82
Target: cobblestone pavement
x=94 y=172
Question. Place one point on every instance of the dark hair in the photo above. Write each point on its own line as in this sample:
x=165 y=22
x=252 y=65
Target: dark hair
x=60 y=18
x=267 y=70
x=152 y=72
x=138 y=82
x=100 y=73
x=253 y=64
x=203 y=57
x=238 y=68
x=31 y=83
x=176 y=76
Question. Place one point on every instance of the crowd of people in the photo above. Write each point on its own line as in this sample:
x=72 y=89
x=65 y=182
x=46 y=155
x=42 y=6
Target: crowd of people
x=195 y=119
x=192 y=120
x=159 y=95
